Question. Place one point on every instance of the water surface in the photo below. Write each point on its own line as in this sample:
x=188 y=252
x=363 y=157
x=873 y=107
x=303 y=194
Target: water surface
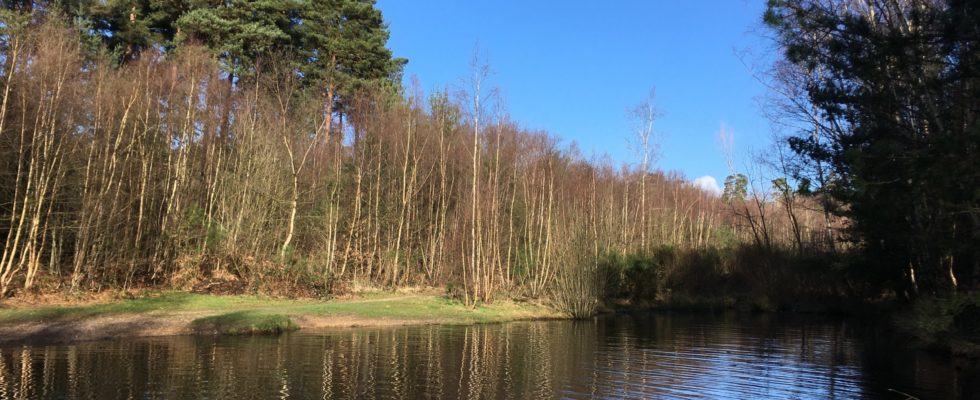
x=652 y=356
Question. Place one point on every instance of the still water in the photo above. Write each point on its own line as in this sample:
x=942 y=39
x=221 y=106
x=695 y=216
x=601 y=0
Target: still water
x=650 y=356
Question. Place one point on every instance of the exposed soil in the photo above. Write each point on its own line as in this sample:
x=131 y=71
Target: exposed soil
x=27 y=300
x=100 y=327
x=159 y=324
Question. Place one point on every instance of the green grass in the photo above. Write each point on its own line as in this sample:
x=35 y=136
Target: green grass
x=165 y=302
x=244 y=323
x=430 y=308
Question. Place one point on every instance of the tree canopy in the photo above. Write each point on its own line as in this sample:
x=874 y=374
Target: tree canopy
x=334 y=46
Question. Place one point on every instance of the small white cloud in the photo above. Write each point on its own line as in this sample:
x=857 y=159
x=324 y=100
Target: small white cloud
x=708 y=184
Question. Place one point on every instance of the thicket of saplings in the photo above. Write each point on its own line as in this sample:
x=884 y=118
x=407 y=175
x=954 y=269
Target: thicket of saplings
x=158 y=174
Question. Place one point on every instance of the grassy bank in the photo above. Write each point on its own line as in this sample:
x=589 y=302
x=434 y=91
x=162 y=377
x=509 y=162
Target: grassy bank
x=185 y=313
x=945 y=324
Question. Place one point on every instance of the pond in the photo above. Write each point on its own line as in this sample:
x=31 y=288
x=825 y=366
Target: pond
x=660 y=355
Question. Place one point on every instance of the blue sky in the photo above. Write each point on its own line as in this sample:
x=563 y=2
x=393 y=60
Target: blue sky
x=573 y=68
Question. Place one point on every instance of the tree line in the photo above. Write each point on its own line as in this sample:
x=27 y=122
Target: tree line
x=147 y=147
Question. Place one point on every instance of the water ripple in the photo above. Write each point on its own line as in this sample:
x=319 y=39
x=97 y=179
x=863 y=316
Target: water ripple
x=656 y=356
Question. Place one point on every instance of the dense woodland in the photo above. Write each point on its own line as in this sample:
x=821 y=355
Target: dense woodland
x=889 y=91
x=269 y=146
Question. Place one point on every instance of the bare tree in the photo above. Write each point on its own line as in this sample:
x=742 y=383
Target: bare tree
x=645 y=114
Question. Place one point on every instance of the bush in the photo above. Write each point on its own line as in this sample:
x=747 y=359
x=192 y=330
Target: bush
x=699 y=272
x=761 y=278
x=639 y=277
x=645 y=277
x=576 y=289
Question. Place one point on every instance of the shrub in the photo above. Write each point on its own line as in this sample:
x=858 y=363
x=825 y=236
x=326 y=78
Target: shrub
x=639 y=277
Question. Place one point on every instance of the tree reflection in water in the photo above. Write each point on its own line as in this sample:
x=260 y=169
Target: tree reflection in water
x=661 y=355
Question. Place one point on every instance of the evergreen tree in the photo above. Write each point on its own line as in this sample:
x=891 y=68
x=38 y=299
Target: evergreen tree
x=736 y=188
x=240 y=31
x=123 y=25
x=341 y=47
x=896 y=96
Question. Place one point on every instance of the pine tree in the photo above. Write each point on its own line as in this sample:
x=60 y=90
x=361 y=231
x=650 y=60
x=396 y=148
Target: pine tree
x=240 y=32
x=341 y=48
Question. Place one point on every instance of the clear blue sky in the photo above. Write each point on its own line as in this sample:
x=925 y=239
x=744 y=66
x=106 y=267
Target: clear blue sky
x=573 y=68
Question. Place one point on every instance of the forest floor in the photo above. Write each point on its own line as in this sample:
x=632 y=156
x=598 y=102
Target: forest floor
x=177 y=313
